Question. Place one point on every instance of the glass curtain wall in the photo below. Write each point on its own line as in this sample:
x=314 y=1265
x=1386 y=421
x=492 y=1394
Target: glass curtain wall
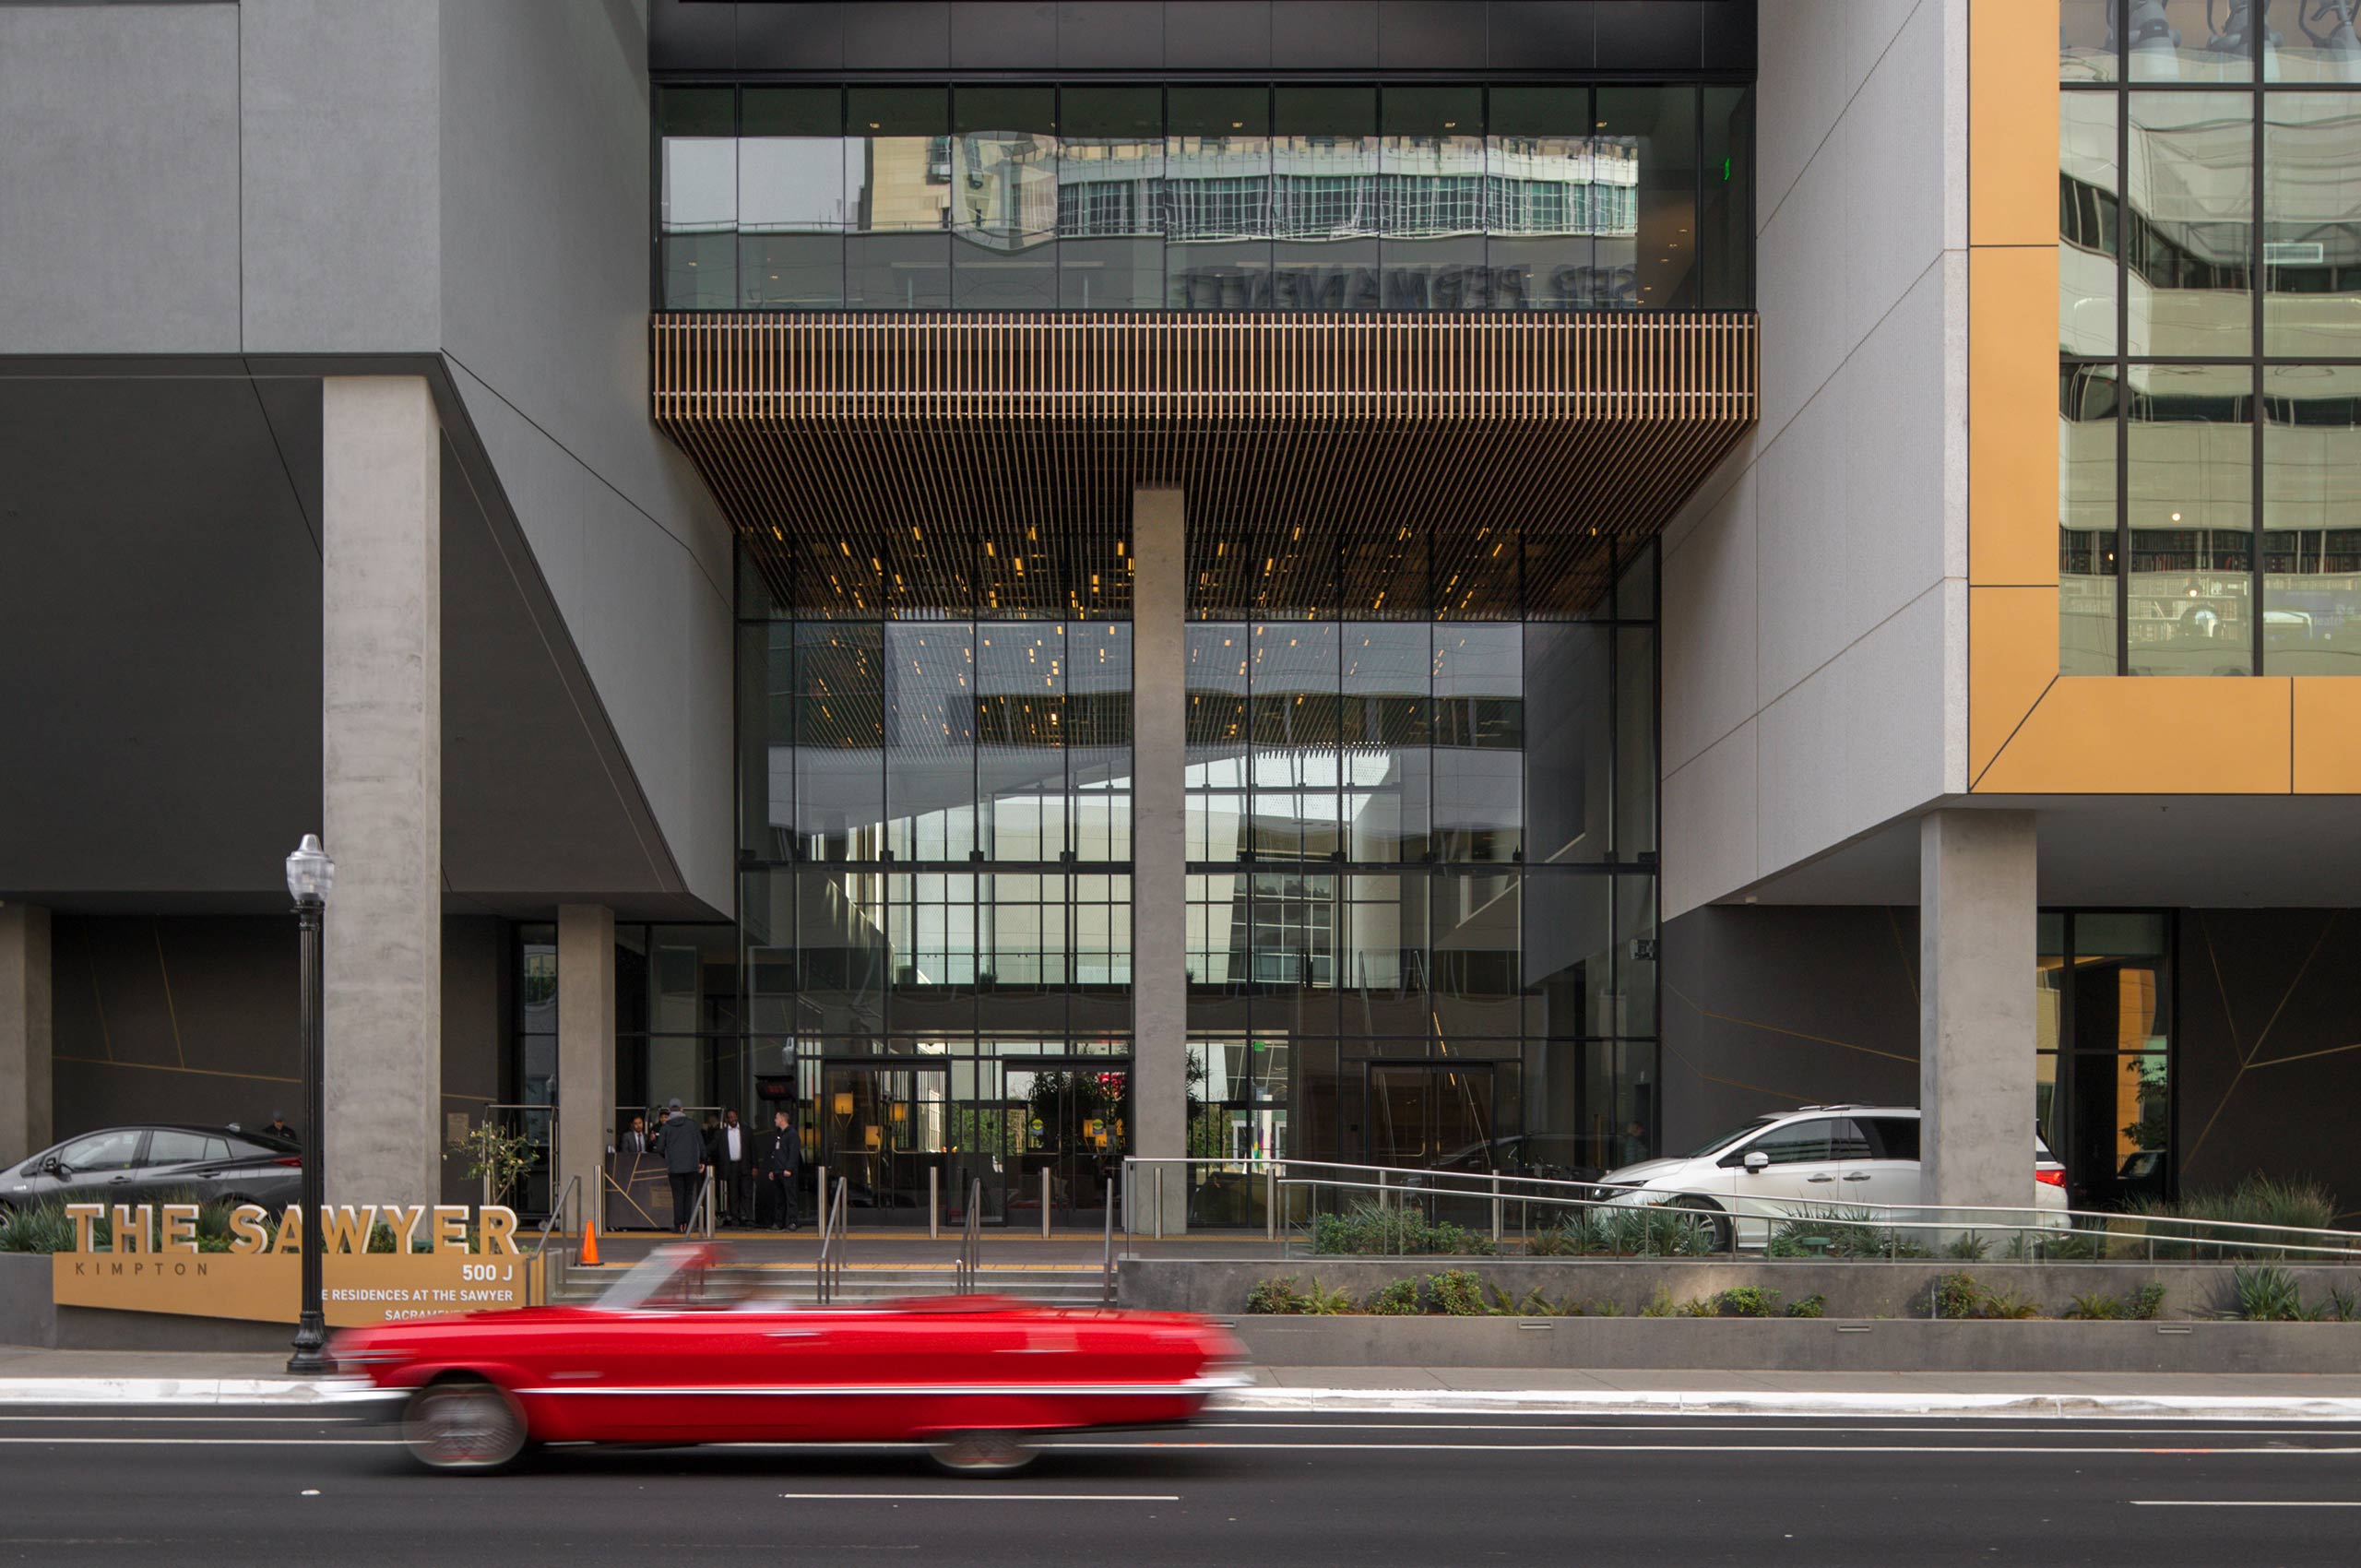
x=935 y=908
x=1422 y=909
x=1229 y=195
x=2103 y=1079
x=2210 y=341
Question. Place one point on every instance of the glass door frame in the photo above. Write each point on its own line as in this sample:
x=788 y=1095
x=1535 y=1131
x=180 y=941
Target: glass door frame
x=877 y=1174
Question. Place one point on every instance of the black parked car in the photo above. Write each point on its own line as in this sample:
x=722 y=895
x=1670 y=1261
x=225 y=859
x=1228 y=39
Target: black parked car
x=147 y=1164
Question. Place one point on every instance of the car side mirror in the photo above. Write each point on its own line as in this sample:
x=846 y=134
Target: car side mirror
x=51 y=1165
x=1757 y=1163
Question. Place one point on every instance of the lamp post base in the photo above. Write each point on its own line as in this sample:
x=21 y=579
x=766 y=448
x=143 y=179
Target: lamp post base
x=311 y=1356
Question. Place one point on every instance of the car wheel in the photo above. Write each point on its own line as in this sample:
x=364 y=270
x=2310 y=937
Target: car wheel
x=984 y=1453
x=1717 y=1223
x=463 y=1424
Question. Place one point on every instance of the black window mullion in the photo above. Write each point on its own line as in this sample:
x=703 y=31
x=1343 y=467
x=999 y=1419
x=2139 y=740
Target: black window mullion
x=2122 y=362
x=2254 y=290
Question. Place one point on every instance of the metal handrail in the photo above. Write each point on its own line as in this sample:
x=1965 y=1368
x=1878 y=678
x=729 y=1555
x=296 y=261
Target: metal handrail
x=971 y=1241
x=1107 y=1262
x=701 y=1212
x=2043 y=1219
x=553 y=1269
x=828 y=1276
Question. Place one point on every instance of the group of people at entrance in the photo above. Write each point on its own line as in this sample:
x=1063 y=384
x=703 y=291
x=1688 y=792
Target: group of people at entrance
x=754 y=1175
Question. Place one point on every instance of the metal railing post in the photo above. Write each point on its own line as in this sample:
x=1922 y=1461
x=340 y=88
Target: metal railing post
x=1107 y=1260
x=1270 y=1202
x=1496 y=1209
x=1045 y=1203
x=933 y=1203
x=1159 y=1203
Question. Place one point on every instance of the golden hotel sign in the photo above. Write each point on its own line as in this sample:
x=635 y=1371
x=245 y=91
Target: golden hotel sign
x=155 y=1264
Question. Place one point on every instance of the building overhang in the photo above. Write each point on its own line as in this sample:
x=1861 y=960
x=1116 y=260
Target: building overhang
x=1335 y=465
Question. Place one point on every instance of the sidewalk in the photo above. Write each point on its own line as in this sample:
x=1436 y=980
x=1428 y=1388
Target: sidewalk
x=31 y=1376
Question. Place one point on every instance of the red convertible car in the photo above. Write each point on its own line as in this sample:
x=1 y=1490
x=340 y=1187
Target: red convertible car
x=670 y=1357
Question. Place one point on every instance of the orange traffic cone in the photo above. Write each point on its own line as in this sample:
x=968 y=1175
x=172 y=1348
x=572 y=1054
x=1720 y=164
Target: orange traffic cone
x=589 y=1245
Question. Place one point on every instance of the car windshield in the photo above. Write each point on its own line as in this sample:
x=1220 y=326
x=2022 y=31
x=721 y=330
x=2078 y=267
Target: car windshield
x=676 y=1280
x=1714 y=1144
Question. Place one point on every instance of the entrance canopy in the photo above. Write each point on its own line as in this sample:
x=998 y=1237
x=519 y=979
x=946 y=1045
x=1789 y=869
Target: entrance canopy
x=1366 y=465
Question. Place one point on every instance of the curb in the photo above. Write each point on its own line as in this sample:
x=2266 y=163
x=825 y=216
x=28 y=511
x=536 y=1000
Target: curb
x=1267 y=1399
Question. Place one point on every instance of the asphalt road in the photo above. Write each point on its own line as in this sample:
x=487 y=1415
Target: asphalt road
x=253 y=1486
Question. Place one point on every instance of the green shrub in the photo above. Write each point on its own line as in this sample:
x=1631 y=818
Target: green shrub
x=2345 y=1304
x=1698 y=1306
x=1328 y=1303
x=2269 y=1294
x=1658 y=1305
x=1841 y=1232
x=1810 y=1306
x=1606 y=1306
x=2258 y=1200
x=2148 y=1300
x=1457 y=1293
x=2008 y=1303
x=1397 y=1299
x=1956 y=1296
x=41 y=1227
x=1368 y=1229
x=2094 y=1306
x=1278 y=1297
x=1968 y=1246
x=1748 y=1301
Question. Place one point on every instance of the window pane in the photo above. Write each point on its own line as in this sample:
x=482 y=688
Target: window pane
x=2188 y=47
x=1111 y=199
x=840 y=952
x=1215 y=780
x=766 y=740
x=791 y=198
x=1635 y=753
x=1382 y=954
x=1004 y=203
x=1546 y=196
x=898 y=189
x=1217 y=197
x=2191 y=187
x=2192 y=503
x=1388 y=757
x=2311 y=549
x=2086 y=41
x=1567 y=964
x=2321 y=47
x=2086 y=537
x=1799 y=1143
x=1430 y=202
x=1476 y=945
x=1020 y=725
x=1293 y=675
x=1569 y=743
x=2089 y=185
x=1325 y=198
x=839 y=741
x=1654 y=129
x=1728 y=230
x=930 y=739
x=1099 y=741
x=697 y=206
x=1480 y=738
x=2312 y=210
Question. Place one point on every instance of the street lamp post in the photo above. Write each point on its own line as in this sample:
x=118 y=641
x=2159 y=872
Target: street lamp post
x=310 y=873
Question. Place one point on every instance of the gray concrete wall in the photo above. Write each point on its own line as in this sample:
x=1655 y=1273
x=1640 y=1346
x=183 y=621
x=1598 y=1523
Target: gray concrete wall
x=543 y=218
x=26 y=1029
x=1814 y=590
x=382 y=680
x=1159 y=896
x=1976 y=950
x=119 y=150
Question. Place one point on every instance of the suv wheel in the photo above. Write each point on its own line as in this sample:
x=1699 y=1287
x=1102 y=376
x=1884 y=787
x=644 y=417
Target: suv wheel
x=1709 y=1213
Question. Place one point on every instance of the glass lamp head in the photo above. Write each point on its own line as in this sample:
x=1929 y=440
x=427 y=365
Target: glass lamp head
x=310 y=871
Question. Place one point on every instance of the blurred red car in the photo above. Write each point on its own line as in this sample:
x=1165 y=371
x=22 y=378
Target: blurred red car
x=667 y=1356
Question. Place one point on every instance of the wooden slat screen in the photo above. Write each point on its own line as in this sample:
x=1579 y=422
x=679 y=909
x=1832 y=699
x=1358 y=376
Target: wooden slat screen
x=944 y=462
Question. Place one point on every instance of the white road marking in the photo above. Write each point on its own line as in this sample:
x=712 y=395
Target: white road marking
x=2072 y=1429
x=200 y=1421
x=979 y=1497
x=2227 y=1502
x=1685 y=1448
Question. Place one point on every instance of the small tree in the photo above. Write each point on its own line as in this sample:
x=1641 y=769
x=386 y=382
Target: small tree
x=494 y=1155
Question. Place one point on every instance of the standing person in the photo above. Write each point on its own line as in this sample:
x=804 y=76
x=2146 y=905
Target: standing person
x=682 y=1146
x=734 y=1159
x=782 y=1160
x=279 y=1129
x=635 y=1138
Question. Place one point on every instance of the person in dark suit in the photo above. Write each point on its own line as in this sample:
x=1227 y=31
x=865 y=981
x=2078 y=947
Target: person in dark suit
x=635 y=1138
x=734 y=1164
x=279 y=1129
x=682 y=1143
x=780 y=1163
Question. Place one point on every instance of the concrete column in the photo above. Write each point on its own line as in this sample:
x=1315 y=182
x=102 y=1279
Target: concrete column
x=1976 y=933
x=1159 y=849
x=381 y=647
x=586 y=1049
x=24 y=1031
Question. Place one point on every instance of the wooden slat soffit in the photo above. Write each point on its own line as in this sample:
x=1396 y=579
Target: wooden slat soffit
x=1391 y=466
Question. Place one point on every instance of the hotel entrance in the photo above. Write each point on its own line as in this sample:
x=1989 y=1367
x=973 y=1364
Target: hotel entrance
x=1053 y=1126
x=881 y=1129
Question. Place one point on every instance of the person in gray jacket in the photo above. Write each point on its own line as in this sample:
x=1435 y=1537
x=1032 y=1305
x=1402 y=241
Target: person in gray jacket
x=682 y=1143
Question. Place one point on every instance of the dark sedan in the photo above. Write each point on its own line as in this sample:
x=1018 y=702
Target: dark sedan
x=147 y=1164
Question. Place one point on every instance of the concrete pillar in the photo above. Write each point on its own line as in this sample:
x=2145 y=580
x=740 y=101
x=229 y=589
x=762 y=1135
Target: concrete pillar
x=381 y=645
x=1159 y=849
x=1976 y=933
x=586 y=1049
x=24 y=1031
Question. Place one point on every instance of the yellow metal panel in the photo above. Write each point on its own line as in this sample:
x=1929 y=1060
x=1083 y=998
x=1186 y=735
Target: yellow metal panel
x=2013 y=417
x=2011 y=659
x=2126 y=735
x=2013 y=123
x=2327 y=735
